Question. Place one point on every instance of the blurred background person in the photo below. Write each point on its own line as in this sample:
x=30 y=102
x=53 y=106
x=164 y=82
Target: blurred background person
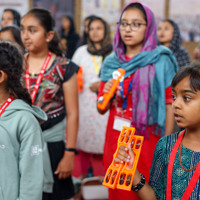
x=92 y=125
x=69 y=37
x=197 y=52
x=10 y=16
x=11 y=33
x=169 y=35
x=84 y=38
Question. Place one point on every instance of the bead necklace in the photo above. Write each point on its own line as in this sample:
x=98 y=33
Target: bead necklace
x=180 y=160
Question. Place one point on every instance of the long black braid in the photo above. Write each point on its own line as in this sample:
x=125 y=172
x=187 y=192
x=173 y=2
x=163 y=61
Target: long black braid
x=11 y=62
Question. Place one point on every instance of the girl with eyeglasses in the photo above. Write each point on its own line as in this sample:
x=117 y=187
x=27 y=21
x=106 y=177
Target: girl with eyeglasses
x=143 y=99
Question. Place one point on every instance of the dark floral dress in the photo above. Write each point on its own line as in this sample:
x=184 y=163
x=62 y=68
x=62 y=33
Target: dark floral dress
x=50 y=96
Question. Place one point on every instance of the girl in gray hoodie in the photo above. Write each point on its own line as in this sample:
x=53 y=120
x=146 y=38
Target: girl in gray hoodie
x=21 y=168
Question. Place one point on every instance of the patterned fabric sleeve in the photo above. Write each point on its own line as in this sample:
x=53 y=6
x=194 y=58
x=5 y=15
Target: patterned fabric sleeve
x=159 y=167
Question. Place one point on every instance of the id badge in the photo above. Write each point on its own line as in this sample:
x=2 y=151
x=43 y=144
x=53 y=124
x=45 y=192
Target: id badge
x=119 y=122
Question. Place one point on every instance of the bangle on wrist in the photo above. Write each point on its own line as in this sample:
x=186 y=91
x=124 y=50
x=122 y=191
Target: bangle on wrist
x=139 y=185
x=72 y=150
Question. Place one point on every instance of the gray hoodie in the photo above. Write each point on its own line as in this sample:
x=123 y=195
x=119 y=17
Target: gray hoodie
x=21 y=163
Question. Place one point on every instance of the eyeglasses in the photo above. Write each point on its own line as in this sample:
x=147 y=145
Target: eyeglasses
x=133 y=26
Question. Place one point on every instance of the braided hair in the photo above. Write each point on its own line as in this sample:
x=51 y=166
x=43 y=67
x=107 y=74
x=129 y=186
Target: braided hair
x=12 y=64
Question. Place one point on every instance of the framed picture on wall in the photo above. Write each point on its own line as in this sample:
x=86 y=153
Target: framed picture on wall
x=58 y=8
x=108 y=10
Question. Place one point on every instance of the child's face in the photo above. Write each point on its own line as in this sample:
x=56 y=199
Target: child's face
x=33 y=35
x=186 y=105
x=133 y=38
x=165 y=33
x=65 y=23
x=7 y=18
x=96 y=31
x=86 y=22
x=7 y=36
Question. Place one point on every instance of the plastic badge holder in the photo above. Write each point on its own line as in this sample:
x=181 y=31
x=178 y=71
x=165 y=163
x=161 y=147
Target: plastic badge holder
x=117 y=77
x=117 y=175
x=80 y=79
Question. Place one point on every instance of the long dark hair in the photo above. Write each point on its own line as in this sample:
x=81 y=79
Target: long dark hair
x=12 y=64
x=72 y=27
x=16 y=16
x=106 y=44
x=48 y=23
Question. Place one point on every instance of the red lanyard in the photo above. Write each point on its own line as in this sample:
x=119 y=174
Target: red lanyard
x=193 y=180
x=39 y=79
x=6 y=104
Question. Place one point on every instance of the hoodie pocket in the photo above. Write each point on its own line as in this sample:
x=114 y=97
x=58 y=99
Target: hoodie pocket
x=1 y=194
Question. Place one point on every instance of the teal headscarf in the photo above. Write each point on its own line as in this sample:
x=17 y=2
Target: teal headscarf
x=154 y=69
